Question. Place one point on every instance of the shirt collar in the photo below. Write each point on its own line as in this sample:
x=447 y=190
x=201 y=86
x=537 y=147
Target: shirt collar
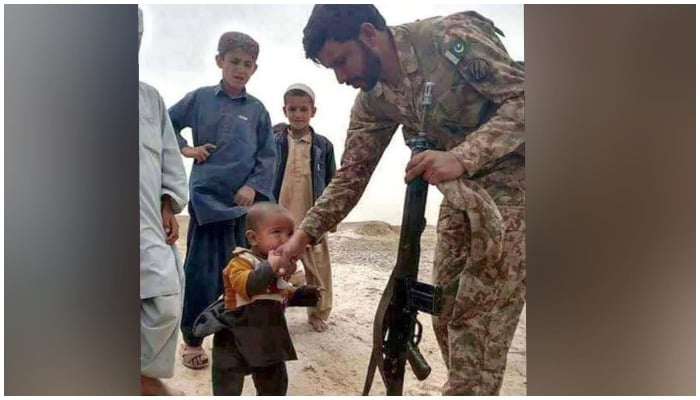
x=219 y=88
x=408 y=62
x=306 y=138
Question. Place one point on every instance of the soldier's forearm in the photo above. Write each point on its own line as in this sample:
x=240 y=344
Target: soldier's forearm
x=331 y=208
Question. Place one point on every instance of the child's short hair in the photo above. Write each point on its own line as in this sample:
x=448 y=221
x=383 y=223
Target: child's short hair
x=299 y=89
x=260 y=211
x=231 y=41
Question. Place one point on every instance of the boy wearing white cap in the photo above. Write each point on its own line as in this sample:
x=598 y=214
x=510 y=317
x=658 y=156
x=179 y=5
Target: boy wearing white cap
x=305 y=166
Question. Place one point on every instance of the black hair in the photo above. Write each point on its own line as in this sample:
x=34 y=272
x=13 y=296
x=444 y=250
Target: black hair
x=339 y=22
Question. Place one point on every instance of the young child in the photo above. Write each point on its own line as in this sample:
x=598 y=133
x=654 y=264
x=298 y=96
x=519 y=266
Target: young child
x=252 y=337
x=234 y=160
x=305 y=166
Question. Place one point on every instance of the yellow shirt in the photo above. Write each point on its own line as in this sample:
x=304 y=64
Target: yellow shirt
x=235 y=275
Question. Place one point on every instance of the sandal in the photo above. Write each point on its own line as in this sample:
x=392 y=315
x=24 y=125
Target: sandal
x=194 y=358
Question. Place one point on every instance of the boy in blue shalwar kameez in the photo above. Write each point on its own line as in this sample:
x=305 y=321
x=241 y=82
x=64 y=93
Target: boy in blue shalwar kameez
x=234 y=166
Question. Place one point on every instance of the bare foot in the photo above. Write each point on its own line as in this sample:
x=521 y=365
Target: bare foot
x=318 y=324
x=156 y=387
x=194 y=357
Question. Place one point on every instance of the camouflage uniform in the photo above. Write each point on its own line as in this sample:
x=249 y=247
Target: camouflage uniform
x=478 y=115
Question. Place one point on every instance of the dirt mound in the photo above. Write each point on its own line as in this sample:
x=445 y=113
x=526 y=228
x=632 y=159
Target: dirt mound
x=374 y=228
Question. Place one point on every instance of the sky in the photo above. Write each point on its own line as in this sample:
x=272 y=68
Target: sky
x=177 y=56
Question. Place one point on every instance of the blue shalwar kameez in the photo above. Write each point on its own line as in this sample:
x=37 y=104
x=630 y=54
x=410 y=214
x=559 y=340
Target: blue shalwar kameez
x=245 y=154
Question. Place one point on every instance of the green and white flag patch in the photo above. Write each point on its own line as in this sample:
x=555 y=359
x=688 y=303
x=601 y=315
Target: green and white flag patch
x=457 y=50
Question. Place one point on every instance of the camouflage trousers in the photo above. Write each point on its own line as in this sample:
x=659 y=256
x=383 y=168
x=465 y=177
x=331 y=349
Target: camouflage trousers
x=482 y=305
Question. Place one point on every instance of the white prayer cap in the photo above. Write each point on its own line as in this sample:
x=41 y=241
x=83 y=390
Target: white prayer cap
x=303 y=88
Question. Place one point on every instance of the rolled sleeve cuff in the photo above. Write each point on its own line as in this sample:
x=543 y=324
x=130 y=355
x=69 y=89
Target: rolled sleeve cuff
x=467 y=158
x=177 y=202
x=313 y=229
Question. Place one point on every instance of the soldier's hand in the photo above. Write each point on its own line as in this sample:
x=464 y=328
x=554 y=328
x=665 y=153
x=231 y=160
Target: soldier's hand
x=434 y=166
x=294 y=247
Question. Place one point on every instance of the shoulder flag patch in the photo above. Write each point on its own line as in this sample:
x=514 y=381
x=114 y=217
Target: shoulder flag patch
x=457 y=49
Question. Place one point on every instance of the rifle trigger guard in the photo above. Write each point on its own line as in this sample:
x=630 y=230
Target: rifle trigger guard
x=418 y=335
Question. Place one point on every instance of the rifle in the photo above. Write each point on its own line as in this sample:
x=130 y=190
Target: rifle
x=397 y=331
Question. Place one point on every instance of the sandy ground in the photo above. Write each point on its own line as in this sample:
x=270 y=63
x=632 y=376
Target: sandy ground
x=334 y=362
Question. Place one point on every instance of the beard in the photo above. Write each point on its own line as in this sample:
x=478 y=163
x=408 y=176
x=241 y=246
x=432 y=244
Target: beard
x=371 y=69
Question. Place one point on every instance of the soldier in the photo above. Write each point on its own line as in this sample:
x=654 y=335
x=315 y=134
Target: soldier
x=477 y=124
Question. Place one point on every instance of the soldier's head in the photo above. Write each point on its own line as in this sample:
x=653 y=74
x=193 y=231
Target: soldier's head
x=299 y=106
x=268 y=226
x=344 y=37
x=237 y=57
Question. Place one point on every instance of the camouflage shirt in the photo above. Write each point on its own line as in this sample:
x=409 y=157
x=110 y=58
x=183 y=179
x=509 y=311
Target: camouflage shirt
x=478 y=113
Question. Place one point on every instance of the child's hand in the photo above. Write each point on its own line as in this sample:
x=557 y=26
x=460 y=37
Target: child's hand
x=276 y=263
